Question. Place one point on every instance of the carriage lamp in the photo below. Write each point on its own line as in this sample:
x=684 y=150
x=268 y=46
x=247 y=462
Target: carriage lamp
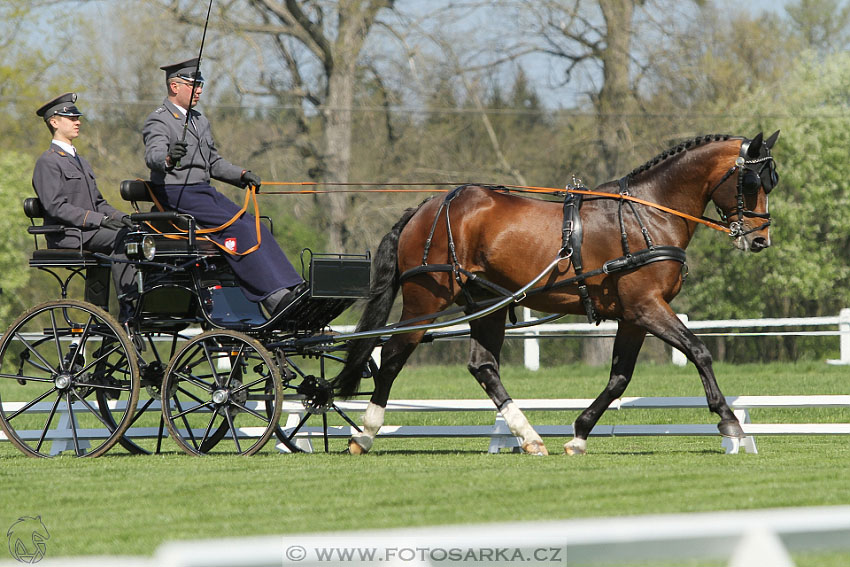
x=146 y=249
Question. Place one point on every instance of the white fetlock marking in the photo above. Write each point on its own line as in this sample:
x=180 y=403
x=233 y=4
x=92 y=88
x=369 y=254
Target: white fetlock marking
x=576 y=446
x=518 y=424
x=373 y=419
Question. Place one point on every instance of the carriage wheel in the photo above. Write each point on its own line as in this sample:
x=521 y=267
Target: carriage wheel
x=159 y=348
x=57 y=358
x=222 y=391
x=307 y=381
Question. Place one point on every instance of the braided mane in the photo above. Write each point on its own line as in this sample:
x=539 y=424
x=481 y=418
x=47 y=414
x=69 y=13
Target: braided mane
x=698 y=141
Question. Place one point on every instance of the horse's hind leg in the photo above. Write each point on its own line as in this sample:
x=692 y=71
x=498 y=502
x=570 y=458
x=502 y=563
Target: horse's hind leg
x=626 y=348
x=393 y=356
x=487 y=335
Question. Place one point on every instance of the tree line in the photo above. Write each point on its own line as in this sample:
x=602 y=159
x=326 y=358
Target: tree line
x=499 y=92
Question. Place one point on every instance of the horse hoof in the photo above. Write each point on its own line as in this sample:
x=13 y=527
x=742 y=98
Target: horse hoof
x=359 y=445
x=576 y=447
x=536 y=448
x=731 y=428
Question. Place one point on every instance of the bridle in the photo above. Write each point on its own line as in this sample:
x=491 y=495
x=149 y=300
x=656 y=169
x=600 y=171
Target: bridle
x=753 y=173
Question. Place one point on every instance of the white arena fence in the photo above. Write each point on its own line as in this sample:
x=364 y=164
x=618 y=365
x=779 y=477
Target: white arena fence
x=834 y=326
x=740 y=539
x=500 y=437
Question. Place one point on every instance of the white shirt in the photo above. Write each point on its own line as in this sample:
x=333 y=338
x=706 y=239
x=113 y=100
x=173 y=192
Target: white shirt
x=67 y=147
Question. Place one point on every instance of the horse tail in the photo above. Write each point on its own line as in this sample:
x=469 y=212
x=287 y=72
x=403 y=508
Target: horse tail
x=385 y=285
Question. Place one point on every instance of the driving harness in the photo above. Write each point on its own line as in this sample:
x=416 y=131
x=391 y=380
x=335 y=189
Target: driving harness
x=571 y=242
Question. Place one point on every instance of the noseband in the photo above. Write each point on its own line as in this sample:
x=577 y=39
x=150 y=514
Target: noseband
x=752 y=174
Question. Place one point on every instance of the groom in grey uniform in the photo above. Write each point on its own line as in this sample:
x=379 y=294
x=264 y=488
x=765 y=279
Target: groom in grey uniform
x=65 y=184
x=182 y=158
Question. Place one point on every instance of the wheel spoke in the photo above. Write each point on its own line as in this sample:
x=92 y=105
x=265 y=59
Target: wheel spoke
x=210 y=361
x=139 y=412
x=234 y=365
x=208 y=429
x=81 y=346
x=233 y=431
x=102 y=357
x=47 y=425
x=47 y=366
x=93 y=411
x=30 y=404
x=190 y=394
x=325 y=430
x=193 y=409
x=249 y=410
x=192 y=379
x=299 y=426
x=108 y=387
x=185 y=422
x=246 y=386
x=26 y=378
x=71 y=418
x=344 y=416
x=61 y=362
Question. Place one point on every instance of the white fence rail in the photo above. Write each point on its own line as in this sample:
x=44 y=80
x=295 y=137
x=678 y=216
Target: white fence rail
x=746 y=538
x=835 y=326
x=498 y=434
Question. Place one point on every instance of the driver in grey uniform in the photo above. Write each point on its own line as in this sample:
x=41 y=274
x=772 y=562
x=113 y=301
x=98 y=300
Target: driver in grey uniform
x=183 y=158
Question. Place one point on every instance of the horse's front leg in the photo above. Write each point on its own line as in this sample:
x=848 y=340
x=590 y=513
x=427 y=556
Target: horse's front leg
x=627 y=345
x=664 y=324
x=486 y=338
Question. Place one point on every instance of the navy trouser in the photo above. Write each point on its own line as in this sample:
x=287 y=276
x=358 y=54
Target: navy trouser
x=111 y=242
x=260 y=273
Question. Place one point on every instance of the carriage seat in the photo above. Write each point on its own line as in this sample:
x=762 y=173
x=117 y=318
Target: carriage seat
x=136 y=191
x=54 y=257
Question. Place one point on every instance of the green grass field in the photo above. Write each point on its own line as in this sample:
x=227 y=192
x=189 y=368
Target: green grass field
x=128 y=505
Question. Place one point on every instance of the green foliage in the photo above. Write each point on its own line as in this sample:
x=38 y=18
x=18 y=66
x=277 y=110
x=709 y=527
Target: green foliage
x=15 y=185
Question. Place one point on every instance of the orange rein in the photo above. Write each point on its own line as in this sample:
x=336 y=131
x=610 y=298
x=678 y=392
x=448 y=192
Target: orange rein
x=531 y=189
x=250 y=196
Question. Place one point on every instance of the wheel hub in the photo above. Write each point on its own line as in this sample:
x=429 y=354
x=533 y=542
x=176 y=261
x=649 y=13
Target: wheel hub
x=63 y=382
x=226 y=399
x=220 y=396
x=318 y=394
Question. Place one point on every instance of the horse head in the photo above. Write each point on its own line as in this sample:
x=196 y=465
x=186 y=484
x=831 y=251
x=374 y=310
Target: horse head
x=744 y=204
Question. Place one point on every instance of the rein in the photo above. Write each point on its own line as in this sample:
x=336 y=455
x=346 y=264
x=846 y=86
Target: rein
x=521 y=188
x=250 y=196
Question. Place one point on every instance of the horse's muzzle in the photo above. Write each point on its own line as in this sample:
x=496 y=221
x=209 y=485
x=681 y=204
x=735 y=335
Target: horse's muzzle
x=759 y=243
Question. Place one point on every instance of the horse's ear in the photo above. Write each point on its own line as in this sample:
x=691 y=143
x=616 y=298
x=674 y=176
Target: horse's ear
x=754 y=149
x=772 y=140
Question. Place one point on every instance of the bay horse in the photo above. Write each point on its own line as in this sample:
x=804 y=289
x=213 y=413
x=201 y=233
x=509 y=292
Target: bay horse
x=504 y=240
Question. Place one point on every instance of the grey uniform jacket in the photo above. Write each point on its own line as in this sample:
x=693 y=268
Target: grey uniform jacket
x=68 y=192
x=165 y=125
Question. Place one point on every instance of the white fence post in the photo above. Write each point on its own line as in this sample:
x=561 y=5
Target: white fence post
x=679 y=358
x=844 y=337
x=531 y=347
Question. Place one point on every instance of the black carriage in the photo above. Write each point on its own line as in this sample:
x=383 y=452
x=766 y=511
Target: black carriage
x=195 y=357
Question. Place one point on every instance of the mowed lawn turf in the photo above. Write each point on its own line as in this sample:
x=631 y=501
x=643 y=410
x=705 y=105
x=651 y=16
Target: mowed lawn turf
x=129 y=505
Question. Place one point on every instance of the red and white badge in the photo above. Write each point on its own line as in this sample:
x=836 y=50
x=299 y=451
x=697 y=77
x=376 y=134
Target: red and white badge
x=230 y=244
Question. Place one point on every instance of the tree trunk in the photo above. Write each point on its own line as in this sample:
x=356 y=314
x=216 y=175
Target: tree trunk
x=337 y=148
x=355 y=18
x=615 y=99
